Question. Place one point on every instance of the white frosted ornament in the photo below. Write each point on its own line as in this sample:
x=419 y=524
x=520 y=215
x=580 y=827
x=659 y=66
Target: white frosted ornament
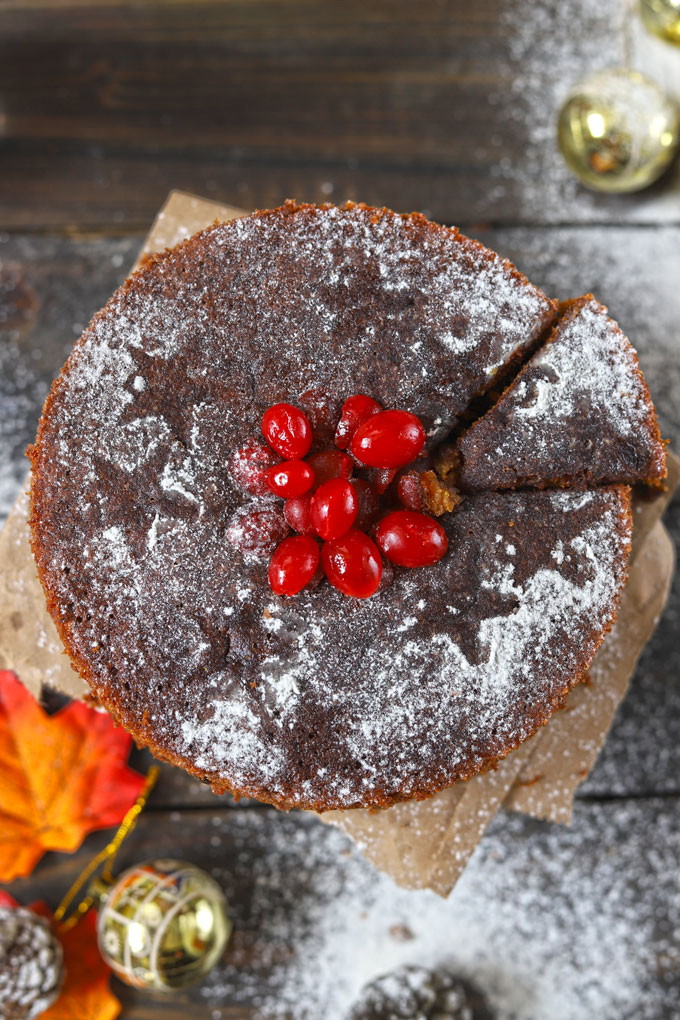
x=617 y=131
x=162 y=925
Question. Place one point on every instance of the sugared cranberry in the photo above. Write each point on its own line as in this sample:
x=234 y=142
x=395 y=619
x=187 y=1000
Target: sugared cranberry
x=389 y=439
x=382 y=478
x=409 y=491
x=355 y=411
x=291 y=478
x=329 y=464
x=387 y=575
x=298 y=513
x=323 y=410
x=334 y=508
x=369 y=504
x=257 y=529
x=287 y=430
x=293 y=565
x=248 y=467
x=411 y=539
x=317 y=578
x=353 y=564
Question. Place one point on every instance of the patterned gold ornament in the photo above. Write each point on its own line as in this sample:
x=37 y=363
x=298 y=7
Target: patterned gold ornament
x=617 y=131
x=163 y=925
x=662 y=17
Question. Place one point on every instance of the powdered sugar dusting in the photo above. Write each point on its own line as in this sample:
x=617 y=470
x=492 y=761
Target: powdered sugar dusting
x=317 y=700
x=589 y=360
x=549 y=923
x=587 y=373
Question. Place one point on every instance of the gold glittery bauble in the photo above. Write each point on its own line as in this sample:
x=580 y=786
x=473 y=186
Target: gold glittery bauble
x=163 y=925
x=617 y=131
x=663 y=18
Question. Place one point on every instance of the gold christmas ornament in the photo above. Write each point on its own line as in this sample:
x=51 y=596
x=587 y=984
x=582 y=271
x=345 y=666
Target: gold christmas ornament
x=163 y=925
x=662 y=17
x=617 y=131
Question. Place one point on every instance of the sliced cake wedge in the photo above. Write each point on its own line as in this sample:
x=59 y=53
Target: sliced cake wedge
x=578 y=414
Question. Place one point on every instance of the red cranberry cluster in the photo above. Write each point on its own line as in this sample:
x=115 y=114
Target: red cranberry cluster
x=324 y=501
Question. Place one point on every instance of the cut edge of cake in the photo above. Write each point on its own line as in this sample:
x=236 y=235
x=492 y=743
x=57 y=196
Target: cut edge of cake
x=501 y=450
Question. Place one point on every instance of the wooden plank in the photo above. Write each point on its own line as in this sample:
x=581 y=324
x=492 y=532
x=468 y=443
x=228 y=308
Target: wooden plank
x=590 y=905
x=446 y=107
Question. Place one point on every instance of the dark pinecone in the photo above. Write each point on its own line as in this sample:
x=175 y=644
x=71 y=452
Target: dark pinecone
x=414 y=993
x=31 y=964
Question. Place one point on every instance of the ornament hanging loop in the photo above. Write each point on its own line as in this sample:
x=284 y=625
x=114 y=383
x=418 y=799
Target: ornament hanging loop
x=106 y=857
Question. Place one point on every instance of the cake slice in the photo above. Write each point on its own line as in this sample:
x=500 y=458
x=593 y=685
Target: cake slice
x=578 y=414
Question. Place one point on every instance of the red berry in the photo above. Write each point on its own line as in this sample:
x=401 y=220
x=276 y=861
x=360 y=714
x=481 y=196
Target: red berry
x=355 y=412
x=353 y=564
x=334 y=508
x=323 y=410
x=329 y=464
x=248 y=467
x=256 y=530
x=409 y=491
x=293 y=565
x=387 y=575
x=382 y=478
x=389 y=439
x=287 y=430
x=298 y=513
x=410 y=539
x=369 y=504
x=291 y=478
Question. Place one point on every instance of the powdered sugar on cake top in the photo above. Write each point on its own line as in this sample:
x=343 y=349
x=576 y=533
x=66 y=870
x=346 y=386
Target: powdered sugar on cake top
x=580 y=411
x=318 y=700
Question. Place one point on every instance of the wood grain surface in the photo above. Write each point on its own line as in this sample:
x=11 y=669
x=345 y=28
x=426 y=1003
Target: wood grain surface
x=446 y=106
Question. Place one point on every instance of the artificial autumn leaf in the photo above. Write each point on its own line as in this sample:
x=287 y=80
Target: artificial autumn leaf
x=86 y=994
x=62 y=777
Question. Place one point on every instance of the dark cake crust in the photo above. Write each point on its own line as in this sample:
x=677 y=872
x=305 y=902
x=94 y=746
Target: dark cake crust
x=319 y=701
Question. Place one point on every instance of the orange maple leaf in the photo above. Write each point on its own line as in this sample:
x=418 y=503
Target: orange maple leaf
x=86 y=994
x=62 y=776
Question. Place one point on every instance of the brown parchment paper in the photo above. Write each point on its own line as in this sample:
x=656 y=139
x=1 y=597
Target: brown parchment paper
x=421 y=844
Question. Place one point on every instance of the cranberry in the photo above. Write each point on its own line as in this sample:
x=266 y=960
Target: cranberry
x=287 y=430
x=409 y=492
x=387 y=575
x=293 y=565
x=334 y=508
x=369 y=504
x=316 y=579
x=329 y=464
x=298 y=513
x=353 y=564
x=411 y=539
x=248 y=467
x=323 y=411
x=388 y=439
x=382 y=478
x=291 y=478
x=355 y=411
x=257 y=529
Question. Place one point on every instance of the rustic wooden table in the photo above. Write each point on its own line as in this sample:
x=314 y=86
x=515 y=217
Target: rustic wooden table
x=447 y=107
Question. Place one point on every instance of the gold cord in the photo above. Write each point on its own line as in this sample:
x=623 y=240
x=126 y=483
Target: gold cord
x=108 y=854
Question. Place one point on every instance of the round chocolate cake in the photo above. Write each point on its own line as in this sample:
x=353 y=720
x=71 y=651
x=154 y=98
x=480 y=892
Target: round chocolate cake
x=317 y=701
